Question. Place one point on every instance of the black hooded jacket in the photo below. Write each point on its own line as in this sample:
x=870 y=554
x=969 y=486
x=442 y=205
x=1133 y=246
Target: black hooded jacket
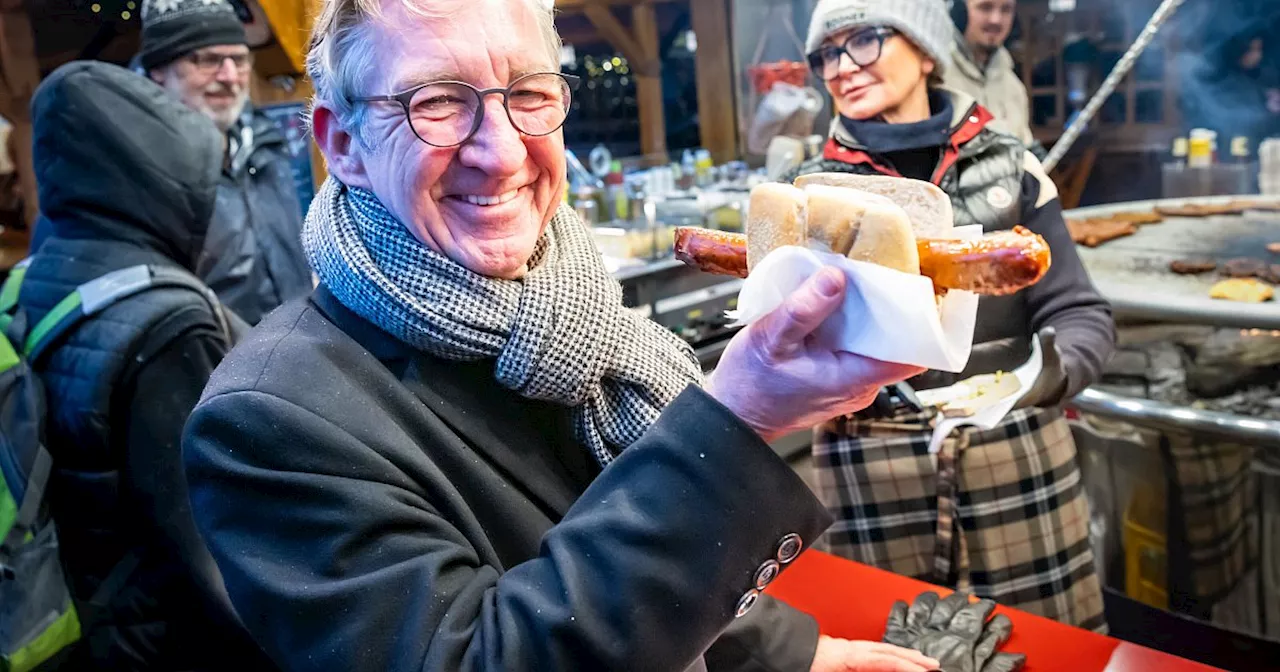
x=127 y=176
x=253 y=254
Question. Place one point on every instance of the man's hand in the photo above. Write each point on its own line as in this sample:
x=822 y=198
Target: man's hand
x=776 y=380
x=842 y=655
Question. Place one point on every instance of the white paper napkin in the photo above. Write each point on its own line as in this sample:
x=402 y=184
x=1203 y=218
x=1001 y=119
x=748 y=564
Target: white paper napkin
x=988 y=416
x=887 y=315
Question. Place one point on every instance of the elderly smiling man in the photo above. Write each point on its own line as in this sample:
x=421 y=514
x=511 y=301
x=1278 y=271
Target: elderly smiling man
x=462 y=452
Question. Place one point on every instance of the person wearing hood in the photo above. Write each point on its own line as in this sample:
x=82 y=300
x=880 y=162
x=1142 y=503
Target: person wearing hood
x=983 y=68
x=253 y=258
x=1001 y=512
x=127 y=176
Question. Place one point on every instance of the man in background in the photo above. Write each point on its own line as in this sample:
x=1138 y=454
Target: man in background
x=984 y=68
x=253 y=259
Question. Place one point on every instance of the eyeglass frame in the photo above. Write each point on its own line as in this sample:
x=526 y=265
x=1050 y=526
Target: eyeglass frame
x=882 y=33
x=194 y=59
x=405 y=98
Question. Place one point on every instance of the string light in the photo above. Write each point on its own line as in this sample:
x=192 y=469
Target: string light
x=95 y=8
x=125 y=15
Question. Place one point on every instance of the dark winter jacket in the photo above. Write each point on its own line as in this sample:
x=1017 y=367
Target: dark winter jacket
x=376 y=508
x=127 y=176
x=252 y=255
x=993 y=181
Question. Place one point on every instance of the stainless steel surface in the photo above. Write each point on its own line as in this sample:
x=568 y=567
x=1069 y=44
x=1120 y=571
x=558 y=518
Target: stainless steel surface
x=1166 y=417
x=1162 y=14
x=1133 y=272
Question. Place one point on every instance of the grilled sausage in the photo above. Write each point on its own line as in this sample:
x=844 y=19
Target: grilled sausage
x=1001 y=263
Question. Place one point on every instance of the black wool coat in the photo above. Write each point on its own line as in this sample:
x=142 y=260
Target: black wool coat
x=372 y=507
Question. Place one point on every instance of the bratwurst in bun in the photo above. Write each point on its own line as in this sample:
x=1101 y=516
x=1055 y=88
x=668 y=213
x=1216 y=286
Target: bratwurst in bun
x=894 y=222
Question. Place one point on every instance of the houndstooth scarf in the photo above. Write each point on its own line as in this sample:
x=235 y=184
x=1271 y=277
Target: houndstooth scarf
x=559 y=334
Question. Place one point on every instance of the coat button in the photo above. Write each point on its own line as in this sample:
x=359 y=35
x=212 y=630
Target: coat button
x=973 y=120
x=744 y=605
x=789 y=548
x=767 y=573
x=253 y=171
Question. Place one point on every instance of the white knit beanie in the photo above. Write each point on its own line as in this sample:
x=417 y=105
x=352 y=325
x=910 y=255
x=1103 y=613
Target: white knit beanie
x=925 y=22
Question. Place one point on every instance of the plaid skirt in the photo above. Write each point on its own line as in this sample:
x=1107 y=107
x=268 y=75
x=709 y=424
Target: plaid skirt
x=1000 y=512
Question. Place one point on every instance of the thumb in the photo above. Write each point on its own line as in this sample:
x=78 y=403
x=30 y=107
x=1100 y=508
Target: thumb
x=1048 y=340
x=802 y=312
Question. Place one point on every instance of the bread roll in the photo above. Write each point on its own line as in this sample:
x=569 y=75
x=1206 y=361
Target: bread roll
x=863 y=226
x=928 y=208
x=776 y=217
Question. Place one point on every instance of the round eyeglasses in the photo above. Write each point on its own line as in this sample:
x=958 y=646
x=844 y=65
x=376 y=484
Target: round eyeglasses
x=863 y=48
x=447 y=114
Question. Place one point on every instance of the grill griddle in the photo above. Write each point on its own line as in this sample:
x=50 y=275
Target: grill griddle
x=1133 y=272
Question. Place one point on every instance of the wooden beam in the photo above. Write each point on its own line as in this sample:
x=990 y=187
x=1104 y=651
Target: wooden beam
x=291 y=23
x=653 y=127
x=713 y=61
x=621 y=39
x=21 y=73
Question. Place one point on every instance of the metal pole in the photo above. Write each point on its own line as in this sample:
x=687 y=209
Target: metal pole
x=1123 y=66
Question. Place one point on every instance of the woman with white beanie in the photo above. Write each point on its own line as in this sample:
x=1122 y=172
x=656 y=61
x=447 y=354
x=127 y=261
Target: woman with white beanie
x=1000 y=512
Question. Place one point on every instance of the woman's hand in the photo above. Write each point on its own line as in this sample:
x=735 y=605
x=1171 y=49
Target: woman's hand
x=843 y=655
x=777 y=380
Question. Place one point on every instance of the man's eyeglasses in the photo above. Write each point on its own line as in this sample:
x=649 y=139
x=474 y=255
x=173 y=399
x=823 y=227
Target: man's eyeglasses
x=447 y=114
x=208 y=63
x=862 y=47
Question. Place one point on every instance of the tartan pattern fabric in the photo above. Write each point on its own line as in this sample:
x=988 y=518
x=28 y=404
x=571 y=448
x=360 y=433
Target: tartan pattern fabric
x=559 y=334
x=1009 y=522
x=1217 y=493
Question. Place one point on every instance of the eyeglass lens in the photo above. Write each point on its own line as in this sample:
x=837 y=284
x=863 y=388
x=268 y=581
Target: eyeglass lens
x=209 y=62
x=447 y=114
x=863 y=48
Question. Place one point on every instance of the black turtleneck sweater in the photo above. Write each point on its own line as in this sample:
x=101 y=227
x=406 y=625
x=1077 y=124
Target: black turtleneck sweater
x=912 y=149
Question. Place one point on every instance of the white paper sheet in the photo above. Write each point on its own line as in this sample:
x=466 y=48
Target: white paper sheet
x=988 y=416
x=887 y=315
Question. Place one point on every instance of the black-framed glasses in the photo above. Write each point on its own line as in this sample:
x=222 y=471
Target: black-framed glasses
x=863 y=47
x=447 y=114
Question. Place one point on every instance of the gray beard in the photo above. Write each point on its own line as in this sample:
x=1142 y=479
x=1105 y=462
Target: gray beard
x=225 y=119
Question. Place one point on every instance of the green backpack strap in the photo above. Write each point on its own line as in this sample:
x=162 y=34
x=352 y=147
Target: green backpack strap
x=94 y=296
x=10 y=290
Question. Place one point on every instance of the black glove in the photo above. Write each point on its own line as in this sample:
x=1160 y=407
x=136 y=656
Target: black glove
x=1050 y=386
x=954 y=632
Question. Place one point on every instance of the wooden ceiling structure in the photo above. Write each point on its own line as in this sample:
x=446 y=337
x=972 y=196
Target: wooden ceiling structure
x=630 y=27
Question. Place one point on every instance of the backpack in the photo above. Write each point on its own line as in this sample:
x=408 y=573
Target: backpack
x=38 y=618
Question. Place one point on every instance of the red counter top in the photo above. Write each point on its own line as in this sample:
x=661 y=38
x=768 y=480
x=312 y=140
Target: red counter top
x=852 y=601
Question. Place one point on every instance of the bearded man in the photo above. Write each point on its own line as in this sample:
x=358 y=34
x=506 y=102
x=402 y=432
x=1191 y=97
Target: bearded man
x=984 y=68
x=253 y=259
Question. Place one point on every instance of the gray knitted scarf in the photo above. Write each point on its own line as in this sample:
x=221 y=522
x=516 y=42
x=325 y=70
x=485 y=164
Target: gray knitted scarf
x=560 y=334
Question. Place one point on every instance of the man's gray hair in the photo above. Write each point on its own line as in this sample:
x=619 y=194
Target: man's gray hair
x=340 y=54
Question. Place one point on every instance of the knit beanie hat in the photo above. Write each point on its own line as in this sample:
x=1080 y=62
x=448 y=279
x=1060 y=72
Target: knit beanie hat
x=925 y=22
x=172 y=29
